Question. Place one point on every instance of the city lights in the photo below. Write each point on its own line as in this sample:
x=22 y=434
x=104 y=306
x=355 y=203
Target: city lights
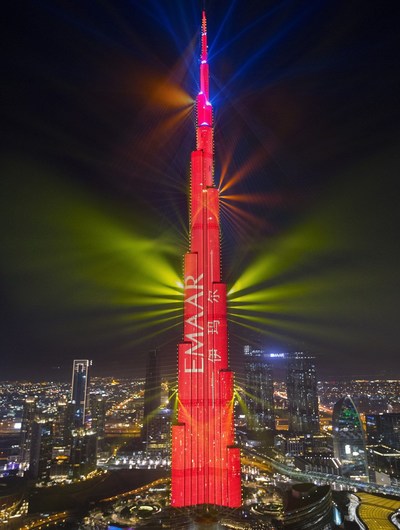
x=257 y=386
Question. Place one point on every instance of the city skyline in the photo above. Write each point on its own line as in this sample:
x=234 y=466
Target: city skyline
x=95 y=202
x=131 y=474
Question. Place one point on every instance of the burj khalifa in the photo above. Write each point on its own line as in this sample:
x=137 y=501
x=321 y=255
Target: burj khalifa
x=205 y=461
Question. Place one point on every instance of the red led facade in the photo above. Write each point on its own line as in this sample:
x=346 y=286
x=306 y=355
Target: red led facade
x=205 y=462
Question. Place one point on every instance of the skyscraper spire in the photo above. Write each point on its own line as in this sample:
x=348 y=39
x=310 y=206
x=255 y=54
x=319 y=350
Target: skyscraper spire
x=205 y=462
x=204 y=73
x=203 y=56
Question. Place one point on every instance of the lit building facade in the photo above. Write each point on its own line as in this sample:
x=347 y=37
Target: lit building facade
x=98 y=408
x=302 y=394
x=80 y=392
x=383 y=429
x=41 y=451
x=83 y=453
x=158 y=439
x=28 y=417
x=349 y=440
x=205 y=462
x=259 y=395
x=61 y=425
x=384 y=465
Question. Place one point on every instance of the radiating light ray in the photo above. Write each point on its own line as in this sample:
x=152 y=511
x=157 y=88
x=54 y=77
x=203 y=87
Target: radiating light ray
x=321 y=283
x=235 y=223
x=282 y=255
x=267 y=142
x=240 y=34
x=270 y=44
x=246 y=392
x=266 y=199
x=279 y=272
x=241 y=215
x=81 y=257
x=164 y=116
x=243 y=323
x=167 y=92
x=224 y=171
x=276 y=295
x=155 y=315
x=214 y=42
x=169 y=21
x=238 y=395
x=234 y=226
x=301 y=329
x=151 y=167
x=161 y=134
x=253 y=163
x=154 y=332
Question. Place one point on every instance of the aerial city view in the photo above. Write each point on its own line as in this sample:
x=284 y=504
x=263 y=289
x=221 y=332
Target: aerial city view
x=199 y=267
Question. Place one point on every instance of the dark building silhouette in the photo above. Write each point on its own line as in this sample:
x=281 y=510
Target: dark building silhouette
x=28 y=418
x=302 y=394
x=159 y=432
x=304 y=444
x=61 y=424
x=309 y=452
x=349 y=440
x=80 y=392
x=152 y=398
x=259 y=395
x=60 y=461
x=83 y=453
x=41 y=451
x=384 y=465
x=383 y=429
x=308 y=506
x=98 y=414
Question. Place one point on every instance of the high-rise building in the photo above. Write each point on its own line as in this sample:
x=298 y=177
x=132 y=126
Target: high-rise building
x=152 y=396
x=158 y=439
x=41 y=450
x=156 y=432
x=349 y=440
x=98 y=414
x=383 y=429
x=82 y=439
x=62 y=438
x=83 y=453
x=259 y=390
x=302 y=394
x=80 y=392
x=205 y=462
x=28 y=418
x=61 y=425
x=384 y=465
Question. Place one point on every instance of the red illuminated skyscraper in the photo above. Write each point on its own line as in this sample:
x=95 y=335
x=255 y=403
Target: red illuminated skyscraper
x=205 y=462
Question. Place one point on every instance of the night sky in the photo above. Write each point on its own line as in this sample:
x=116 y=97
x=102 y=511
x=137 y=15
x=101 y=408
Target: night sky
x=98 y=126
